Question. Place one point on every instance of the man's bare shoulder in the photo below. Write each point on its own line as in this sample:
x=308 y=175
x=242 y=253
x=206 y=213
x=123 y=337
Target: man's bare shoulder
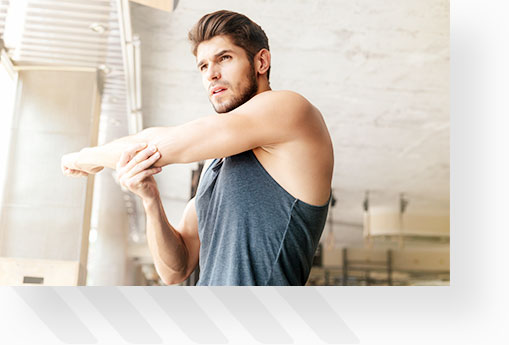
x=306 y=120
x=282 y=98
x=282 y=107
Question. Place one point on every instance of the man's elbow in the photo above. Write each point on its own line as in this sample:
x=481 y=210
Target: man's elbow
x=172 y=279
x=164 y=139
x=150 y=134
x=170 y=275
x=167 y=281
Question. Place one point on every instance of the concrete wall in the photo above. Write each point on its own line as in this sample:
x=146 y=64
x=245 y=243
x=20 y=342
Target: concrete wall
x=377 y=70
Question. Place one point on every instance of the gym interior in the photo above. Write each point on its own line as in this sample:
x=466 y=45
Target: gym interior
x=78 y=73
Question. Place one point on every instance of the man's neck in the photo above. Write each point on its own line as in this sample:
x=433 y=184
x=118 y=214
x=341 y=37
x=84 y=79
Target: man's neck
x=262 y=88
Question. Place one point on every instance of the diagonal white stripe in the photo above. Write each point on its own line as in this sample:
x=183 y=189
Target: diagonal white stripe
x=252 y=314
x=318 y=314
x=121 y=314
x=181 y=307
x=56 y=314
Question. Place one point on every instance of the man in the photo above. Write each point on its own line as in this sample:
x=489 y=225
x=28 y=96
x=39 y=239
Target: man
x=262 y=201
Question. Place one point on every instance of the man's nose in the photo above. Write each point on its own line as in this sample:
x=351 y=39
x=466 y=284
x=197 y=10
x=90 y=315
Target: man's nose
x=213 y=72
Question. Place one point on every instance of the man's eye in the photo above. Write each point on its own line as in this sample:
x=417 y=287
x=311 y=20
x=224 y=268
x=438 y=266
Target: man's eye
x=225 y=56
x=203 y=67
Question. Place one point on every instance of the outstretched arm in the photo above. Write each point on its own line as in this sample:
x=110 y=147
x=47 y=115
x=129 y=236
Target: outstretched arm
x=268 y=118
x=94 y=159
x=91 y=160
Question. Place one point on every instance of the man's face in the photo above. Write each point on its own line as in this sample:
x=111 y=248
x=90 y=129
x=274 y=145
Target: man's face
x=227 y=74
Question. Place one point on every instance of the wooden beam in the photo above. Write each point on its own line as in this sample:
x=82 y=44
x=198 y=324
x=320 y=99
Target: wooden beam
x=26 y=271
x=165 y=5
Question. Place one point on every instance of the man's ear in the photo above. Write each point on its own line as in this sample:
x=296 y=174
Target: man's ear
x=262 y=61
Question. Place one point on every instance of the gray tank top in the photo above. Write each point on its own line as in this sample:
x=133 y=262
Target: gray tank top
x=252 y=231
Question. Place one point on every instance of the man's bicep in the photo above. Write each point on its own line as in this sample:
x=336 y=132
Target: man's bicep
x=188 y=228
x=264 y=120
x=270 y=118
x=165 y=140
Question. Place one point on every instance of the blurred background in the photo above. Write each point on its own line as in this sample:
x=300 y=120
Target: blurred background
x=78 y=73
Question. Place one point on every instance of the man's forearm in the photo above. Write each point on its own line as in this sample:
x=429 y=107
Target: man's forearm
x=201 y=139
x=165 y=243
x=107 y=155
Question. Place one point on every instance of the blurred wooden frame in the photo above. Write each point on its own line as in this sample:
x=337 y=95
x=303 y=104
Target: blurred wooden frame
x=165 y=5
x=26 y=271
x=40 y=270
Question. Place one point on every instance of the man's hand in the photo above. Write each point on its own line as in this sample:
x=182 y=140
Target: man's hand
x=134 y=171
x=70 y=166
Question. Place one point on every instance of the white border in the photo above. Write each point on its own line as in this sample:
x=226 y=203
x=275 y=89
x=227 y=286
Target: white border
x=474 y=309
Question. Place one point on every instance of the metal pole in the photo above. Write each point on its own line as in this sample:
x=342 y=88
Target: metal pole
x=345 y=268
x=389 y=267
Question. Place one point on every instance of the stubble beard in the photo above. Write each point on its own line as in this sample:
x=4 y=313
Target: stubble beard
x=246 y=94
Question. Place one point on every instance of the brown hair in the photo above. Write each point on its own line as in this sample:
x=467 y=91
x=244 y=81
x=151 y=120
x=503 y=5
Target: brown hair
x=242 y=31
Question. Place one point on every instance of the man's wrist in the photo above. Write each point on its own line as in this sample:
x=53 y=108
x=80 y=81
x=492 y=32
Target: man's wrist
x=87 y=160
x=83 y=157
x=151 y=203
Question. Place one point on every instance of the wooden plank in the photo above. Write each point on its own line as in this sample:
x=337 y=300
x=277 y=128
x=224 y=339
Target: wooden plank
x=165 y=5
x=24 y=271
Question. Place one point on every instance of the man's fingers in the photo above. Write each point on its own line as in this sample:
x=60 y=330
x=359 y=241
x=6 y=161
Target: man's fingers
x=144 y=174
x=141 y=156
x=137 y=167
x=79 y=173
x=145 y=164
x=73 y=172
x=124 y=158
x=133 y=182
x=128 y=154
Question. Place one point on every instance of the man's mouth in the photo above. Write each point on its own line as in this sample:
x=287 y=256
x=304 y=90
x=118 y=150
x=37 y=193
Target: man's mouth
x=218 y=91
